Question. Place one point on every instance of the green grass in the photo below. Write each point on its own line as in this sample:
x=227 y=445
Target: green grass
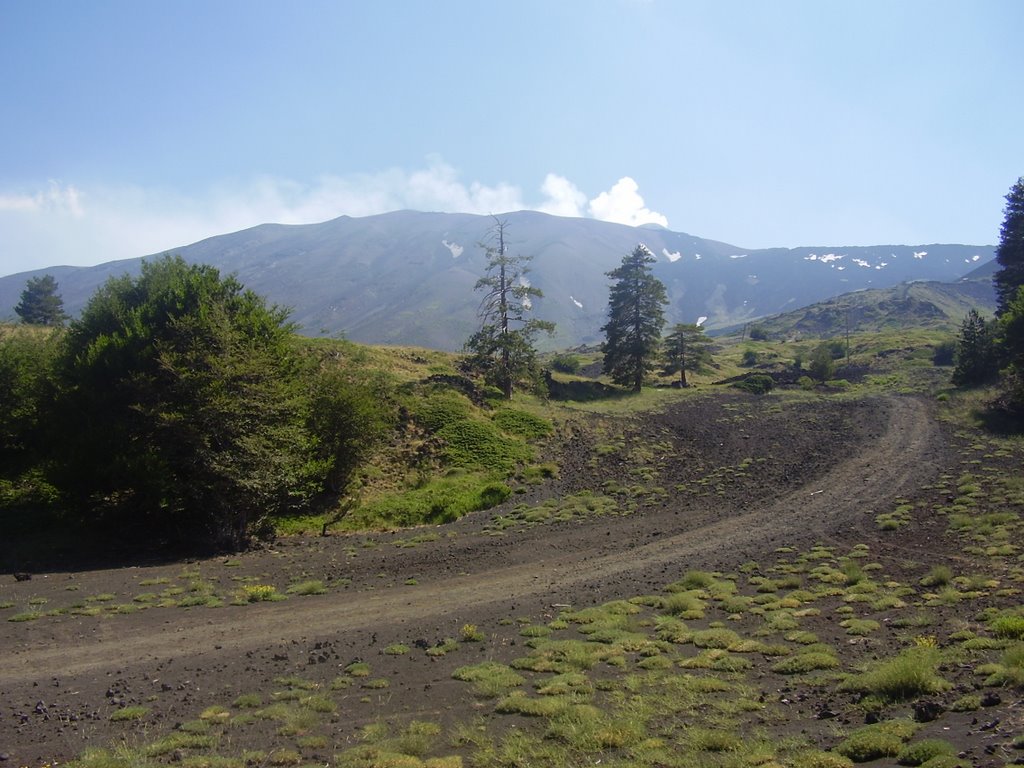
x=874 y=742
x=441 y=500
x=911 y=674
x=490 y=679
x=311 y=587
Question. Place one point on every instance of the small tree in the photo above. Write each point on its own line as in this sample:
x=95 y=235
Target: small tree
x=1010 y=253
x=40 y=303
x=977 y=360
x=822 y=365
x=686 y=349
x=503 y=349
x=635 y=319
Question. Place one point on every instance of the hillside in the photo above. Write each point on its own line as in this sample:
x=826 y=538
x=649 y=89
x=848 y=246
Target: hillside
x=803 y=581
x=929 y=305
x=407 y=277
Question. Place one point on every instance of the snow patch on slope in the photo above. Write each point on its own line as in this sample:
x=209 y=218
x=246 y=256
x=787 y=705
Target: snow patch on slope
x=673 y=257
x=455 y=248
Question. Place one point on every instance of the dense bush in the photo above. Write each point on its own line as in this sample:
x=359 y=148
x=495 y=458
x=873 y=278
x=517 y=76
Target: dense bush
x=566 y=363
x=758 y=384
x=181 y=407
x=822 y=365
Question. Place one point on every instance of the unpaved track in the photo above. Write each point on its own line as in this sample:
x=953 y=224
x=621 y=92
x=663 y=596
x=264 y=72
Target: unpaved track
x=854 y=490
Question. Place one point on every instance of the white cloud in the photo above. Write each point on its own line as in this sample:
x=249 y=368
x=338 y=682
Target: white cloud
x=56 y=199
x=563 y=197
x=622 y=204
x=62 y=223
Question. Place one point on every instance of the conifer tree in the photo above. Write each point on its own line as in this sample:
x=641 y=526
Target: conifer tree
x=976 y=354
x=635 y=319
x=1010 y=253
x=40 y=303
x=686 y=349
x=503 y=349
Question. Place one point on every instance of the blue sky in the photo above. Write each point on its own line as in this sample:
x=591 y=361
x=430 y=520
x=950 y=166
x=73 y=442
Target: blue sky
x=133 y=127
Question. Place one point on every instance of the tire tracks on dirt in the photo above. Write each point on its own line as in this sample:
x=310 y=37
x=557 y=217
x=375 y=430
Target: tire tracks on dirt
x=855 y=488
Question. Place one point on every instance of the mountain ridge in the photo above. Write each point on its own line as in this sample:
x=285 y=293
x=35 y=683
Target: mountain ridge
x=407 y=277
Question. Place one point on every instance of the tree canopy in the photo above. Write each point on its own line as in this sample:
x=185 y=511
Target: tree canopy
x=181 y=409
x=635 y=319
x=1010 y=252
x=40 y=303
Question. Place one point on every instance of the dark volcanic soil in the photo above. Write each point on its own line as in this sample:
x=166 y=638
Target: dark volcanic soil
x=739 y=476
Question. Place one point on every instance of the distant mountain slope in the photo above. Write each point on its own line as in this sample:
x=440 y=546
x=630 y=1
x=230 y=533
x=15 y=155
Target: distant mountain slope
x=407 y=277
x=910 y=305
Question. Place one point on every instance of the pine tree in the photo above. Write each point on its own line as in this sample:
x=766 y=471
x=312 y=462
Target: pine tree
x=635 y=319
x=40 y=303
x=686 y=349
x=1010 y=253
x=503 y=349
x=976 y=354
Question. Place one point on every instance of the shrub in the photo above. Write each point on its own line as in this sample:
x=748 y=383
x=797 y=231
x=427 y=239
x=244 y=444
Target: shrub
x=757 y=384
x=758 y=333
x=566 y=363
x=749 y=359
x=822 y=365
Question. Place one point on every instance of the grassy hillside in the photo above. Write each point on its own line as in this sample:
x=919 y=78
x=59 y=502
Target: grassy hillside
x=931 y=305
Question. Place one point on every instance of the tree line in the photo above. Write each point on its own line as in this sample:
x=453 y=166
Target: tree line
x=992 y=350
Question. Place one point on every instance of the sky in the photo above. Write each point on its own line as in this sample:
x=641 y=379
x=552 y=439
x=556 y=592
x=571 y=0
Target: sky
x=131 y=128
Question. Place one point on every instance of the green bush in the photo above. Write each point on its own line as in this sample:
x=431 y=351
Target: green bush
x=566 y=363
x=758 y=384
x=822 y=365
x=182 y=408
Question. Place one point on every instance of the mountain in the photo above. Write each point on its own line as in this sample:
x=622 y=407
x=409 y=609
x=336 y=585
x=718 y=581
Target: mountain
x=407 y=277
